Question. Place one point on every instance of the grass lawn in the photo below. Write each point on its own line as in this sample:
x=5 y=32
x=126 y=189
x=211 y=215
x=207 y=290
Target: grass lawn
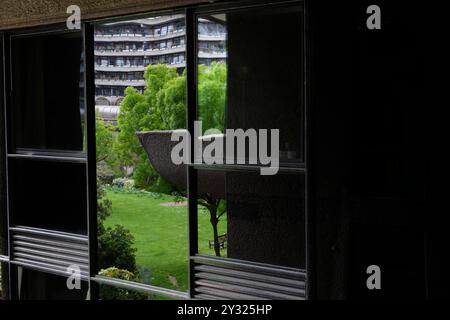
x=161 y=235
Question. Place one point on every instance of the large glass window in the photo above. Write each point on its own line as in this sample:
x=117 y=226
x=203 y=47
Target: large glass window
x=47 y=74
x=36 y=285
x=3 y=199
x=48 y=195
x=252 y=217
x=142 y=213
x=3 y=280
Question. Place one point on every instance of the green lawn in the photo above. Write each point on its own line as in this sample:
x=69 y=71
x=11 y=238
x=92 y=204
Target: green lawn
x=160 y=234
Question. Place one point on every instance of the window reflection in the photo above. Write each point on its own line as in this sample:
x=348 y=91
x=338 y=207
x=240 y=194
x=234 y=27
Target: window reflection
x=35 y=285
x=259 y=87
x=48 y=110
x=3 y=280
x=244 y=215
x=259 y=218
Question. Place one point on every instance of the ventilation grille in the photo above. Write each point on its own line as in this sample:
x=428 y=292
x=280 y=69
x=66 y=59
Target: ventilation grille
x=49 y=251
x=222 y=279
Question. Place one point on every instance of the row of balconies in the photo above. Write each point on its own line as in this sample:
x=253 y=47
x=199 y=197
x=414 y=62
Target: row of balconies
x=148 y=38
x=141 y=52
x=137 y=36
x=123 y=83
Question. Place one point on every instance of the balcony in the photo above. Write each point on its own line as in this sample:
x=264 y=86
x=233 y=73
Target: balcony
x=119 y=69
x=140 y=53
x=137 y=37
x=122 y=83
x=208 y=54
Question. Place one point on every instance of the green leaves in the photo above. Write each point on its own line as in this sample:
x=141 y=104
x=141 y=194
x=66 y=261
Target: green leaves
x=163 y=107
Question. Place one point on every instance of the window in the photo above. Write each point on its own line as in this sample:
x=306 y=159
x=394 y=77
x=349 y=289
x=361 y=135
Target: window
x=35 y=285
x=3 y=281
x=248 y=216
x=148 y=216
x=144 y=201
x=47 y=112
x=57 y=192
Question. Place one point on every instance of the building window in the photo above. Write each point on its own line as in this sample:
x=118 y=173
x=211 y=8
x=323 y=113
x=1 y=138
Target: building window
x=144 y=200
x=45 y=106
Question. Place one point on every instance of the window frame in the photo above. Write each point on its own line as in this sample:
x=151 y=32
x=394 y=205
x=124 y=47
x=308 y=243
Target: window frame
x=192 y=49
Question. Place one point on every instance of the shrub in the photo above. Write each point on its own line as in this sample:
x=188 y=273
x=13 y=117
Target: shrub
x=115 y=293
x=119 y=182
x=129 y=184
x=161 y=186
x=123 y=183
x=115 y=245
x=105 y=173
x=115 y=248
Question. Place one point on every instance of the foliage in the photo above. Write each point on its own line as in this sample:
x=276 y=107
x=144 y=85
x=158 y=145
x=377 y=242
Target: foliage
x=123 y=183
x=212 y=95
x=138 y=192
x=108 y=165
x=161 y=235
x=163 y=107
x=104 y=139
x=216 y=209
x=161 y=186
x=115 y=244
x=116 y=293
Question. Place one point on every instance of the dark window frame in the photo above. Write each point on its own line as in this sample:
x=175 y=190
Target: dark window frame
x=191 y=38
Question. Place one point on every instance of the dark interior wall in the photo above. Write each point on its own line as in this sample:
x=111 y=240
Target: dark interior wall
x=3 y=228
x=369 y=134
x=265 y=72
x=265 y=217
x=3 y=219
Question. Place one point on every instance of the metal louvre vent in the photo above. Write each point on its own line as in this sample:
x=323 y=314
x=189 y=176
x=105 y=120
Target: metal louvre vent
x=49 y=251
x=222 y=279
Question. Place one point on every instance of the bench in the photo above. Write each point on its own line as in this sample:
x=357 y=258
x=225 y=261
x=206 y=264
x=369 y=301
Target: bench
x=222 y=241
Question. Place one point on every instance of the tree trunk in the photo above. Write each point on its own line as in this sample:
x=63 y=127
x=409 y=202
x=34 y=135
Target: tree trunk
x=214 y=222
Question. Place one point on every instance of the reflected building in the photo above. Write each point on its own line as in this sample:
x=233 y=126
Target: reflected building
x=124 y=49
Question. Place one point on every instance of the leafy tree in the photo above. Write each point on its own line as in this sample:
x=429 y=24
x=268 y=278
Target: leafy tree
x=163 y=107
x=212 y=95
x=216 y=208
x=104 y=140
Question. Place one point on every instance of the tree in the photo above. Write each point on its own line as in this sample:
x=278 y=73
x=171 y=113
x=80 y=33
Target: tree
x=163 y=107
x=212 y=95
x=143 y=112
x=216 y=208
x=104 y=140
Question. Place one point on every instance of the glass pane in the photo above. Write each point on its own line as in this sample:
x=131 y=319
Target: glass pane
x=36 y=285
x=260 y=87
x=48 y=105
x=142 y=206
x=251 y=217
x=48 y=195
x=3 y=280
